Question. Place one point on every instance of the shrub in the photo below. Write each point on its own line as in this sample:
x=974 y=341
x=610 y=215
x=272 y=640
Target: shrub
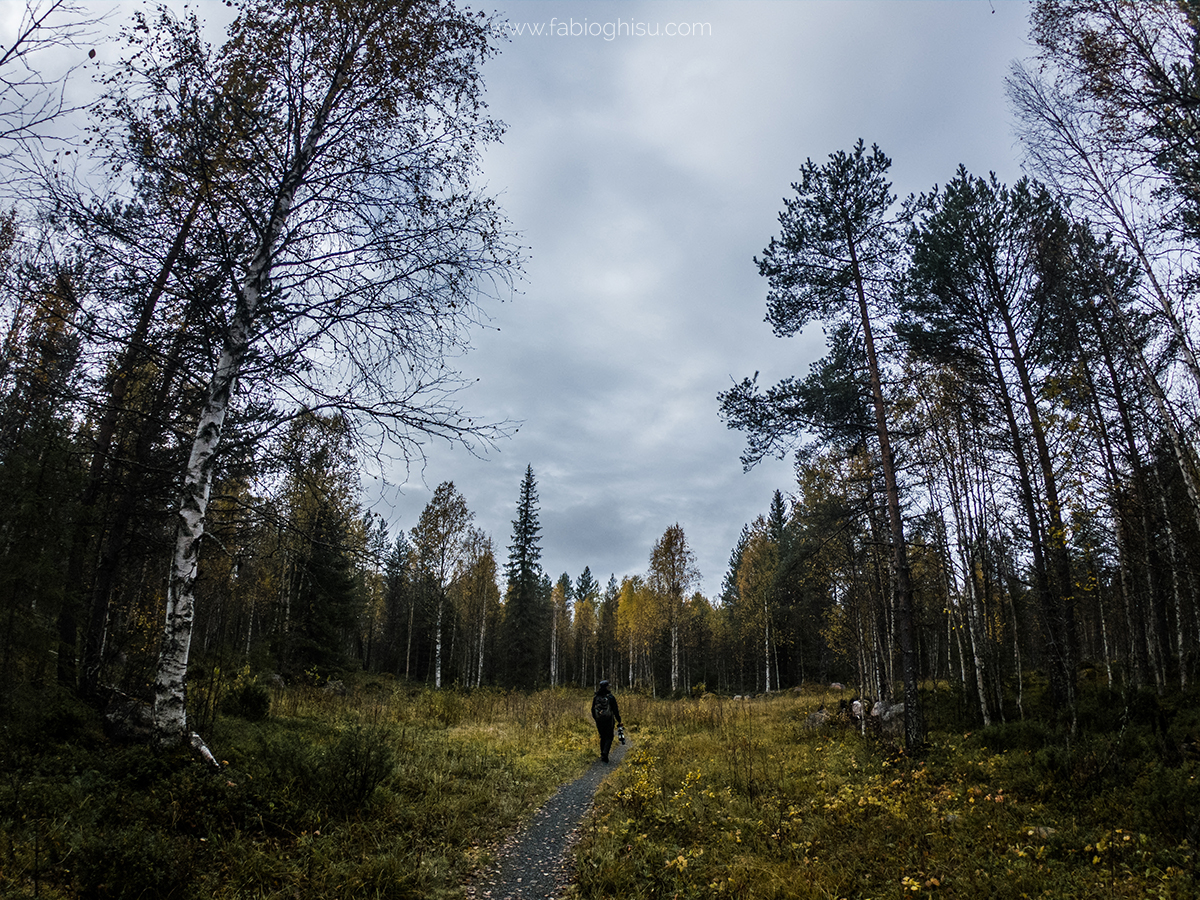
x=249 y=701
x=132 y=863
x=340 y=778
x=355 y=766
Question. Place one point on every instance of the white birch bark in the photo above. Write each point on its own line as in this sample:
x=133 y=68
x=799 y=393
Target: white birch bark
x=170 y=684
x=554 y=648
x=437 y=674
x=973 y=640
x=482 y=635
x=675 y=649
x=766 y=648
x=631 y=658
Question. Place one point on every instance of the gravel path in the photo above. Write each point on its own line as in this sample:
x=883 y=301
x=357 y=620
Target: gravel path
x=535 y=863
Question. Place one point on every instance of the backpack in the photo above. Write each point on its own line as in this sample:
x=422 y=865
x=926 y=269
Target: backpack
x=601 y=709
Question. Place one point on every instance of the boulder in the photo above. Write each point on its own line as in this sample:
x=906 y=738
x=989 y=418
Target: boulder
x=888 y=718
x=818 y=718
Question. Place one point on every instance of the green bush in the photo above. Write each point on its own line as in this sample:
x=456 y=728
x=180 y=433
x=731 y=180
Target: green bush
x=132 y=864
x=339 y=778
x=355 y=766
x=249 y=701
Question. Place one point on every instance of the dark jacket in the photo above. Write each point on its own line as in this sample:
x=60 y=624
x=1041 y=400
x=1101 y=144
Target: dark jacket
x=612 y=704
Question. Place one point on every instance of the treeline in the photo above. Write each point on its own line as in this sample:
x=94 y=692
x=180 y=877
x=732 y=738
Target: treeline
x=440 y=618
x=996 y=461
x=235 y=275
x=1013 y=369
x=238 y=279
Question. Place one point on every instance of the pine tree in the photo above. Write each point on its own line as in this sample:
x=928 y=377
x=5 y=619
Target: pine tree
x=835 y=262
x=523 y=613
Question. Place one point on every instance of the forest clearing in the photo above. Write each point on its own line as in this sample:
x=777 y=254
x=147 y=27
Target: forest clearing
x=242 y=265
x=397 y=791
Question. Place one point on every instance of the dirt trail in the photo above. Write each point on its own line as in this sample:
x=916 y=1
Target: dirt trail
x=535 y=863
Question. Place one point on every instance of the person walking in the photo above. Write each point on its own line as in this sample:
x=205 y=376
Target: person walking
x=606 y=713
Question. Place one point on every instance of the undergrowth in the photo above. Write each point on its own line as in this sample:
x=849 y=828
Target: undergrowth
x=391 y=791
x=387 y=792
x=743 y=799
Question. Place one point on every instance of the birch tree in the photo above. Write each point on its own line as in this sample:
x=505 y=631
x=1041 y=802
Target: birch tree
x=477 y=599
x=441 y=537
x=1109 y=120
x=337 y=147
x=638 y=624
x=673 y=573
x=560 y=626
x=756 y=587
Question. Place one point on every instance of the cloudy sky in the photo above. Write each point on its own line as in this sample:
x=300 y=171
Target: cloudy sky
x=644 y=174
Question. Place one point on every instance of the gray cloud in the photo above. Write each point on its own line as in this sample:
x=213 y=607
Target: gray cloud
x=645 y=174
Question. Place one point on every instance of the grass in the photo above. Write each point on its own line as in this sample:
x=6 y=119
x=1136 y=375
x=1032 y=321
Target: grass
x=389 y=792
x=742 y=799
x=400 y=792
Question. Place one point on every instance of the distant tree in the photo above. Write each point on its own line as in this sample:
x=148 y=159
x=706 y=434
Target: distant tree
x=370 y=573
x=321 y=516
x=729 y=588
x=560 y=626
x=477 y=598
x=586 y=625
x=400 y=602
x=586 y=586
x=638 y=625
x=440 y=538
x=607 y=649
x=672 y=575
x=756 y=577
x=523 y=615
x=700 y=649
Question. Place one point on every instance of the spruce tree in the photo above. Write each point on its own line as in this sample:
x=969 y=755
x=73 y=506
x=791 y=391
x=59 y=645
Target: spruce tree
x=523 y=613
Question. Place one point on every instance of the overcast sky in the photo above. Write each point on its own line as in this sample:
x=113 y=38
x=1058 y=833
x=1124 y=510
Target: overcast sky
x=645 y=173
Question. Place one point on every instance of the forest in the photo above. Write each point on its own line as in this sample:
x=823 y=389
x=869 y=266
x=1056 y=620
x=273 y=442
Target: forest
x=996 y=468
x=247 y=281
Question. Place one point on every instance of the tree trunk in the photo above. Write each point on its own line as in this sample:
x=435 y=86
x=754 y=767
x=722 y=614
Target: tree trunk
x=1064 y=648
x=170 y=688
x=674 y=647
x=437 y=642
x=766 y=649
x=482 y=642
x=914 y=724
